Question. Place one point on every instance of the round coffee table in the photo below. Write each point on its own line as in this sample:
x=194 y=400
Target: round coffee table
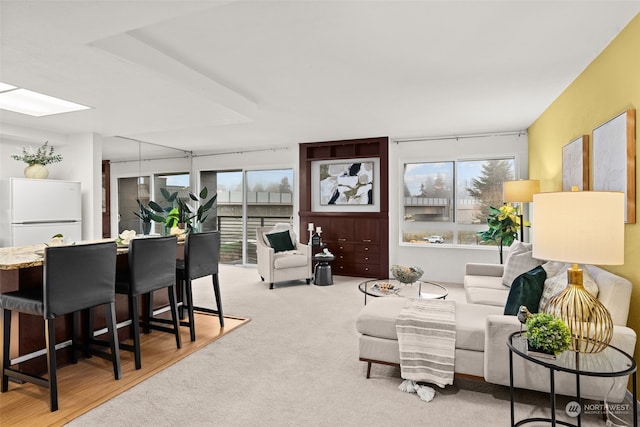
x=393 y=288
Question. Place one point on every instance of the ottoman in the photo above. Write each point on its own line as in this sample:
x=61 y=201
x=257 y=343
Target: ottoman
x=378 y=341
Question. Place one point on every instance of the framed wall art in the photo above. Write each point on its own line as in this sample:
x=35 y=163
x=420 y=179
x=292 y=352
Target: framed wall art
x=346 y=185
x=575 y=164
x=614 y=159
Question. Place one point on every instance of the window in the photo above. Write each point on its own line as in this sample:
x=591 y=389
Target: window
x=449 y=201
x=247 y=200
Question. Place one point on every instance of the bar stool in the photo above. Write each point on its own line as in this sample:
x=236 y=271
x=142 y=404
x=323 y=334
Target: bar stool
x=75 y=278
x=200 y=259
x=152 y=266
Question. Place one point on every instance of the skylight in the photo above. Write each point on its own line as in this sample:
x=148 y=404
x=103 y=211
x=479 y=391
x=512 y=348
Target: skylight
x=32 y=103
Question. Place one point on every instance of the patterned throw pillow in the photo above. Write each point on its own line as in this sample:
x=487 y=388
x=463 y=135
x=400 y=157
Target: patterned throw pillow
x=556 y=284
x=519 y=260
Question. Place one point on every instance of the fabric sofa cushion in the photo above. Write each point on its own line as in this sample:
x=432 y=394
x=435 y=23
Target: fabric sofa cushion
x=526 y=290
x=378 y=317
x=519 y=260
x=470 y=324
x=556 y=284
x=280 y=241
x=289 y=259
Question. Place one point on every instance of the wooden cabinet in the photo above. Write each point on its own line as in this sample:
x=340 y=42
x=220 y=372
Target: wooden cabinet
x=358 y=243
x=359 y=240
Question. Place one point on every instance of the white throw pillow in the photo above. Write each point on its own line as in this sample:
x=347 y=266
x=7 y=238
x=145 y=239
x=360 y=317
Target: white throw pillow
x=556 y=284
x=519 y=260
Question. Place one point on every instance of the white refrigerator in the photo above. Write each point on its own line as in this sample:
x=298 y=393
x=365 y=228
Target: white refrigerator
x=32 y=211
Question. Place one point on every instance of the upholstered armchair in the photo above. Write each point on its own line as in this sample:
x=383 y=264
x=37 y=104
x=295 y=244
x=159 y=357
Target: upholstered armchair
x=280 y=256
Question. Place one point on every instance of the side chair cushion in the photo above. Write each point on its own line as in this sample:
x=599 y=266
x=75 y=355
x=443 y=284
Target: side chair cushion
x=288 y=260
x=29 y=301
x=280 y=241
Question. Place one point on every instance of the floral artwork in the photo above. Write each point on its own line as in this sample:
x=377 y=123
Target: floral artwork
x=346 y=184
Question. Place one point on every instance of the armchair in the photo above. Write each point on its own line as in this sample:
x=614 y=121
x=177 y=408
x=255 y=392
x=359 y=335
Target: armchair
x=280 y=256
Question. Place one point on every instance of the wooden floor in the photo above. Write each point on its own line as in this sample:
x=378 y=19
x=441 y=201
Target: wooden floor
x=90 y=382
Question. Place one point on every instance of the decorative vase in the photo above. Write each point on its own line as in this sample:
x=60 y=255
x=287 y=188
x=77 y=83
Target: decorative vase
x=146 y=228
x=36 y=171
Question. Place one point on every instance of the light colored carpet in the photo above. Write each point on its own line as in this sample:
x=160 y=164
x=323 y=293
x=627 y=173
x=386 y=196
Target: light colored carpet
x=296 y=364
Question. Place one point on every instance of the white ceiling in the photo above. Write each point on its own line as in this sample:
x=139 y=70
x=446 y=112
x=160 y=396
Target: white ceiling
x=220 y=76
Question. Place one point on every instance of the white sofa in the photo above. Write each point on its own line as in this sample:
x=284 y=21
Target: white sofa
x=482 y=331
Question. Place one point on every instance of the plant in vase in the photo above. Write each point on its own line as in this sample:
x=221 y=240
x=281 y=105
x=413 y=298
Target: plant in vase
x=504 y=224
x=37 y=160
x=547 y=334
x=146 y=215
x=180 y=211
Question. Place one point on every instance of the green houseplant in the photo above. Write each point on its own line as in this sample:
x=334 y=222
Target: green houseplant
x=180 y=212
x=37 y=160
x=504 y=224
x=547 y=333
x=146 y=215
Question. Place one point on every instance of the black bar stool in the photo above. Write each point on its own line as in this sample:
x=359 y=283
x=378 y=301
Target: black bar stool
x=75 y=278
x=152 y=266
x=200 y=260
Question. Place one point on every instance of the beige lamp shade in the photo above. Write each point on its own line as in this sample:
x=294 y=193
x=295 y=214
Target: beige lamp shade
x=521 y=190
x=581 y=227
x=585 y=227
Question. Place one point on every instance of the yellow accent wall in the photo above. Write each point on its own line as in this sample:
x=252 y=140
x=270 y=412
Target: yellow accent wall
x=607 y=87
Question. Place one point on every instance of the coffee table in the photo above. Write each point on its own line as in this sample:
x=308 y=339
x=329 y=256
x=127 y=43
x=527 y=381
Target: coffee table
x=419 y=289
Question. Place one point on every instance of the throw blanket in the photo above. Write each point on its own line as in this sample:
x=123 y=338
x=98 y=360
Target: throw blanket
x=427 y=338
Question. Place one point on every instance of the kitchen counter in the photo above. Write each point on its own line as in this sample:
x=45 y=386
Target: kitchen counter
x=26 y=256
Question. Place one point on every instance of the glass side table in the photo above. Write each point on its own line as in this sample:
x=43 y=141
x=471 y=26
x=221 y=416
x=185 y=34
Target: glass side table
x=611 y=362
x=393 y=288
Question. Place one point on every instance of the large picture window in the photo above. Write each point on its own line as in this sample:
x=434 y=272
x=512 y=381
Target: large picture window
x=448 y=202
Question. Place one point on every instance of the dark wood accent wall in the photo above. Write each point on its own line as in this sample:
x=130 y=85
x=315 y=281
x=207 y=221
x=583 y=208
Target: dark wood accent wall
x=359 y=240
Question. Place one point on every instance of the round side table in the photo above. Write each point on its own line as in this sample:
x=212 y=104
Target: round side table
x=322 y=275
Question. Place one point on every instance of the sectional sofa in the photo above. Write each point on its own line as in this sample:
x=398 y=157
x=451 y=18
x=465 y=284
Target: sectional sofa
x=482 y=331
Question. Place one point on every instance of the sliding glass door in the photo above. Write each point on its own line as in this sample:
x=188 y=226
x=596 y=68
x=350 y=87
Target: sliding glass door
x=247 y=200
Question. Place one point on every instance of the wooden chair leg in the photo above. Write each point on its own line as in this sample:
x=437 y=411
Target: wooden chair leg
x=6 y=339
x=51 y=363
x=174 y=314
x=368 y=369
x=75 y=316
x=110 y=314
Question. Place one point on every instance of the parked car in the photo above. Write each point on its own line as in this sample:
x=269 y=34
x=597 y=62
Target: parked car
x=434 y=239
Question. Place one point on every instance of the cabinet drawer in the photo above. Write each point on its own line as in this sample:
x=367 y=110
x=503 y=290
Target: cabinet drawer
x=366 y=270
x=345 y=257
x=372 y=258
x=366 y=249
x=338 y=247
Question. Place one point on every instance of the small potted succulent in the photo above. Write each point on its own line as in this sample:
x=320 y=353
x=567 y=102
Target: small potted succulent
x=37 y=160
x=547 y=334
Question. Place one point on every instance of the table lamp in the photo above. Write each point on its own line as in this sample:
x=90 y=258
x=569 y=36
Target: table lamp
x=580 y=227
x=520 y=191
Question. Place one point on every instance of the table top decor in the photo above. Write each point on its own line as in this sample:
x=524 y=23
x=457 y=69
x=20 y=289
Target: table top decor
x=406 y=275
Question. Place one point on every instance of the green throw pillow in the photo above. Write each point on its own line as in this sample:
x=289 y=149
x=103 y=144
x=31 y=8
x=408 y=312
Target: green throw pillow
x=526 y=290
x=281 y=241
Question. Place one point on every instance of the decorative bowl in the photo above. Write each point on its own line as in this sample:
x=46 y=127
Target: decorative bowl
x=406 y=275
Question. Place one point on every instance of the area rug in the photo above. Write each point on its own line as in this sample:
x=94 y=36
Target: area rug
x=90 y=382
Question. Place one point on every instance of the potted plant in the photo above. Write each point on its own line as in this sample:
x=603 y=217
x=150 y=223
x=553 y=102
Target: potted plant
x=547 y=334
x=37 y=160
x=504 y=224
x=180 y=214
x=146 y=215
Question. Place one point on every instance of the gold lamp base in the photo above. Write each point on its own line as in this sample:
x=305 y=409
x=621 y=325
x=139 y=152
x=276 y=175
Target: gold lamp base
x=588 y=320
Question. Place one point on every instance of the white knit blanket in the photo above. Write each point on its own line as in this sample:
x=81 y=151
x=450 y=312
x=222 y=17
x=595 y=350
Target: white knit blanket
x=427 y=338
